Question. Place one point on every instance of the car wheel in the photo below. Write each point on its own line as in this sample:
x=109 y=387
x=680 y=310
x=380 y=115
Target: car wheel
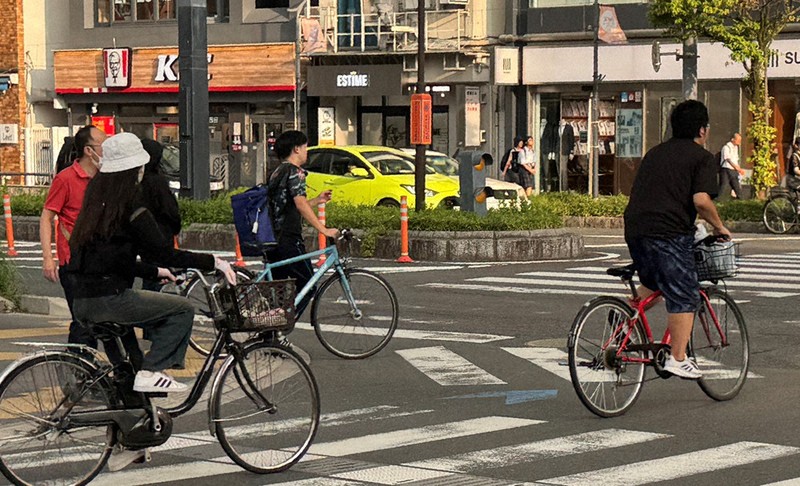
x=388 y=203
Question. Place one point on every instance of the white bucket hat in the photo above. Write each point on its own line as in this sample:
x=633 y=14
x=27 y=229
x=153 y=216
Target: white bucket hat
x=122 y=152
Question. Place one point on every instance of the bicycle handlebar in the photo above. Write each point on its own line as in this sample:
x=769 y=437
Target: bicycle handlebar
x=711 y=239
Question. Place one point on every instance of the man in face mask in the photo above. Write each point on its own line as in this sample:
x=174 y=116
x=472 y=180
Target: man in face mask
x=64 y=200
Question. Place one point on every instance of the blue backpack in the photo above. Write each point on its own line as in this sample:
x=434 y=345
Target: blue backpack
x=252 y=219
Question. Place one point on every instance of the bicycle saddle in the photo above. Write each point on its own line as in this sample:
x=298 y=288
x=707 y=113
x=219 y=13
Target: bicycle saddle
x=627 y=272
x=106 y=331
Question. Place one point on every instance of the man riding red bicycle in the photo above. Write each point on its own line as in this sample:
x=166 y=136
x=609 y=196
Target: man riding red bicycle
x=675 y=183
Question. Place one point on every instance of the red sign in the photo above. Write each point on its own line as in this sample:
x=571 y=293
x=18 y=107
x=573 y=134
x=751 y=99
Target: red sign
x=105 y=123
x=117 y=67
x=421 y=119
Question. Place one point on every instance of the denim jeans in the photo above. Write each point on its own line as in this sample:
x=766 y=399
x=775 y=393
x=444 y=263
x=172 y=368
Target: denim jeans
x=166 y=318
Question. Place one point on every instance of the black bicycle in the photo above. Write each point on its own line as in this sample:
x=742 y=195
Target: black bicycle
x=781 y=210
x=69 y=408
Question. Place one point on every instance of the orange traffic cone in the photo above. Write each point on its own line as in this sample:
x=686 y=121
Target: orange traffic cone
x=239 y=260
x=9 y=225
x=323 y=242
x=404 y=258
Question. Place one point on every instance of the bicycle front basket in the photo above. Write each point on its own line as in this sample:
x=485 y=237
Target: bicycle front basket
x=260 y=306
x=716 y=261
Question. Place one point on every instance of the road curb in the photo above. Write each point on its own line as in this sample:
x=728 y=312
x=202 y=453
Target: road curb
x=41 y=305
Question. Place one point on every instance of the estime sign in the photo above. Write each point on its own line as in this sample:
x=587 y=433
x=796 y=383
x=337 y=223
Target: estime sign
x=252 y=67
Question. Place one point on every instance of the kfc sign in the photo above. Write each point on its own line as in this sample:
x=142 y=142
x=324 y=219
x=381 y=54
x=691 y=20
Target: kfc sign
x=167 y=70
x=117 y=67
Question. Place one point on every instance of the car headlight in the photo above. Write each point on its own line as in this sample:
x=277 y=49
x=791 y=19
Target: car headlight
x=412 y=190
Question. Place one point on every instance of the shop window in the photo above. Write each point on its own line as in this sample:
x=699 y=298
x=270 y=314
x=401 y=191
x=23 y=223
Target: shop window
x=272 y=3
x=121 y=11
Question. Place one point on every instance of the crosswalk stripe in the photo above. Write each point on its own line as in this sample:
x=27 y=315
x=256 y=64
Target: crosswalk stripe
x=549 y=359
x=340 y=448
x=421 y=334
x=679 y=466
x=515 y=290
x=419 y=435
x=319 y=482
x=794 y=277
x=542 y=449
x=391 y=475
x=547 y=283
x=788 y=482
x=447 y=368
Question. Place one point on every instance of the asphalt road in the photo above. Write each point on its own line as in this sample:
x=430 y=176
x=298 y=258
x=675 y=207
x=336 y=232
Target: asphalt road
x=471 y=390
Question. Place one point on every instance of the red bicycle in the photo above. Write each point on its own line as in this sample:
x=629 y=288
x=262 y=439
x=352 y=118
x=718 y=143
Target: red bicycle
x=611 y=344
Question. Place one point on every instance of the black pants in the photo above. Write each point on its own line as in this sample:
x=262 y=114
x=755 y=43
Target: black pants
x=729 y=177
x=80 y=335
x=300 y=271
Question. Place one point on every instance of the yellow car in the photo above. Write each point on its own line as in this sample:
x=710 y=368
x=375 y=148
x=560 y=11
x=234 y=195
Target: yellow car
x=373 y=176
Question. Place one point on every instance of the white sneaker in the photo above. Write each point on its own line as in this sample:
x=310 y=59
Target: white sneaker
x=685 y=369
x=156 y=382
x=121 y=457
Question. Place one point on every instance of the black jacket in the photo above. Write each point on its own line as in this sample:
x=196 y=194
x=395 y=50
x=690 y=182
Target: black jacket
x=155 y=195
x=102 y=268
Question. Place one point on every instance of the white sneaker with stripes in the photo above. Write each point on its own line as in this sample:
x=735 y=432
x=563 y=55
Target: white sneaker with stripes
x=685 y=369
x=156 y=382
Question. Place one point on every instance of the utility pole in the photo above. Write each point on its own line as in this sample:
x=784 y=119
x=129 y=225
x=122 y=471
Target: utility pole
x=419 y=160
x=193 y=98
x=595 y=112
x=689 y=58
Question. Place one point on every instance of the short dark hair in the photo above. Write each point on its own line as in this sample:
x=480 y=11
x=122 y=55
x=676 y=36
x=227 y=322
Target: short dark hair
x=287 y=141
x=688 y=118
x=83 y=138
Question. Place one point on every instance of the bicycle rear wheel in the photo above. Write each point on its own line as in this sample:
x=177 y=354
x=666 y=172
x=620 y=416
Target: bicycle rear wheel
x=779 y=214
x=37 y=444
x=355 y=332
x=265 y=408
x=722 y=351
x=203 y=331
x=605 y=384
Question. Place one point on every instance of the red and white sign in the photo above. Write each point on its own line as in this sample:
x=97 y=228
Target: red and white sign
x=105 y=123
x=421 y=119
x=117 y=67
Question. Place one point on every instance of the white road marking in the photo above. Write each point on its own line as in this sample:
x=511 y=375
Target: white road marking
x=391 y=475
x=549 y=359
x=319 y=482
x=448 y=368
x=788 y=482
x=547 y=283
x=423 y=335
x=516 y=290
x=679 y=466
x=794 y=277
x=499 y=457
x=419 y=435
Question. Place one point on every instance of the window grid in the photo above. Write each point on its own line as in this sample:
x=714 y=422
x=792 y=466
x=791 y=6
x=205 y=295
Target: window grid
x=109 y=12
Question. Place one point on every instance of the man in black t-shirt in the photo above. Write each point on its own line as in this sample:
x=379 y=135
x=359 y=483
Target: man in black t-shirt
x=676 y=181
x=289 y=206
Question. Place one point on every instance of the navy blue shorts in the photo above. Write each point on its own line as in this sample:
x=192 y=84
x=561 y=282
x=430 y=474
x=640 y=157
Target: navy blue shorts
x=668 y=265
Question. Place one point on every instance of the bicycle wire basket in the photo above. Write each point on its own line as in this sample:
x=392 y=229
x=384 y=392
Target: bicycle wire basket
x=259 y=306
x=716 y=261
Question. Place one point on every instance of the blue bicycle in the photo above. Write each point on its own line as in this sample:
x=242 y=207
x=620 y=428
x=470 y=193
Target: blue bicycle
x=354 y=312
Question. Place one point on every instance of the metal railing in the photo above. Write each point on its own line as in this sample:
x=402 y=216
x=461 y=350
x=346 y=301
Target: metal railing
x=445 y=30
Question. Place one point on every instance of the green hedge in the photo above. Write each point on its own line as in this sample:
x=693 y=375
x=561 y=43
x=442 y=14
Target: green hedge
x=10 y=282
x=747 y=210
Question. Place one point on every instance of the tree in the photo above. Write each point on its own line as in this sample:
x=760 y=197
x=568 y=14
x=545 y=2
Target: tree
x=747 y=28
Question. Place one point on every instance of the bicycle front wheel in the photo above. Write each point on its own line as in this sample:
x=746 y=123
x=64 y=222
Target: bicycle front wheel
x=357 y=323
x=37 y=444
x=203 y=331
x=603 y=375
x=265 y=408
x=779 y=215
x=720 y=345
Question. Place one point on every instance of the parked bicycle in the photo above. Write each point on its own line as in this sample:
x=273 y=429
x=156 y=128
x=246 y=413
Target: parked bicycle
x=64 y=411
x=781 y=211
x=354 y=312
x=611 y=343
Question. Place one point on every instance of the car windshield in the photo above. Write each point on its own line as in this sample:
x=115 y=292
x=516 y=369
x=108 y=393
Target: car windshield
x=443 y=164
x=389 y=163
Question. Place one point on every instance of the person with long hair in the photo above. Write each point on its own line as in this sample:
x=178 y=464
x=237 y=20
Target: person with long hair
x=111 y=231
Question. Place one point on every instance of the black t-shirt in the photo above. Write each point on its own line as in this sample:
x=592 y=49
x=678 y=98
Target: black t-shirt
x=671 y=173
x=287 y=182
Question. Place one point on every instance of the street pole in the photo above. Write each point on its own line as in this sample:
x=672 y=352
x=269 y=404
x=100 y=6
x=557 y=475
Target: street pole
x=419 y=160
x=690 y=68
x=595 y=112
x=193 y=98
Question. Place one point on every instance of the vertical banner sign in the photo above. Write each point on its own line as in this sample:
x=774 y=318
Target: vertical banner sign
x=105 y=123
x=472 y=113
x=117 y=67
x=326 y=126
x=609 y=30
x=421 y=119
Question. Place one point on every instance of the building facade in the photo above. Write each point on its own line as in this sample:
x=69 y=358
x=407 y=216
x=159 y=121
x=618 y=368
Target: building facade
x=12 y=94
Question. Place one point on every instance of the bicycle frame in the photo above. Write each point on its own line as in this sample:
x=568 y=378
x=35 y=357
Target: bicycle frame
x=332 y=260
x=640 y=307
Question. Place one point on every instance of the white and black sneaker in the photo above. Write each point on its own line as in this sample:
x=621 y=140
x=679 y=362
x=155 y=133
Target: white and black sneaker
x=121 y=457
x=685 y=369
x=156 y=382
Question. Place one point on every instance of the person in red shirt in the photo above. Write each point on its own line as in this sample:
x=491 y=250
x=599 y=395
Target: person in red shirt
x=64 y=200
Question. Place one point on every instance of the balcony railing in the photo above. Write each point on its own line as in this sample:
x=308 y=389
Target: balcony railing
x=445 y=30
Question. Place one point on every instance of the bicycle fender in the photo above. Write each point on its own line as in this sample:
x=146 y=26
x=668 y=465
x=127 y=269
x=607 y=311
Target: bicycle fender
x=622 y=302
x=215 y=388
x=38 y=354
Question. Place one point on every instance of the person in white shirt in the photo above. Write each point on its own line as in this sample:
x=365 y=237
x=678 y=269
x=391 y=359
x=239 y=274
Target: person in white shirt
x=729 y=166
x=527 y=169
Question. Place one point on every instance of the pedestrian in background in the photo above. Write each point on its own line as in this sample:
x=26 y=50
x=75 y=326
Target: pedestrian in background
x=793 y=167
x=511 y=161
x=527 y=166
x=729 y=167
